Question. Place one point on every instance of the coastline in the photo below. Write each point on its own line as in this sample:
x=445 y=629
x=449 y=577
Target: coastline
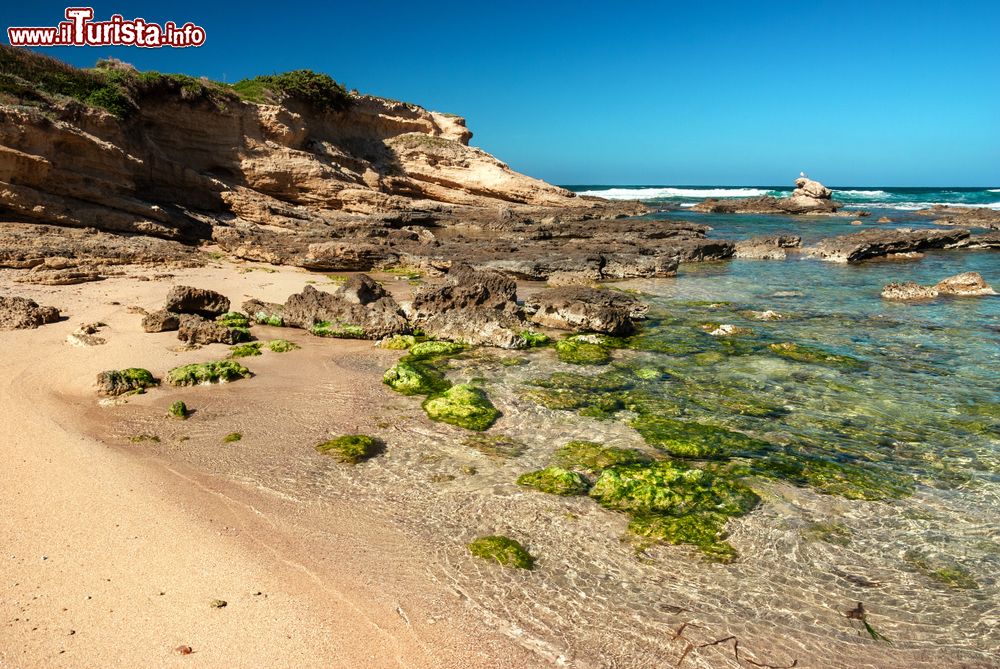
x=93 y=534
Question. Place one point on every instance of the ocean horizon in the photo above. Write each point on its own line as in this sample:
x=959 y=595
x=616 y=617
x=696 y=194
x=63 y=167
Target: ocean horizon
x=904 y=198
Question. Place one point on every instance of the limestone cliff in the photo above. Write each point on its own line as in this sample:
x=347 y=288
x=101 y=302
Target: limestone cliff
x=192 y=162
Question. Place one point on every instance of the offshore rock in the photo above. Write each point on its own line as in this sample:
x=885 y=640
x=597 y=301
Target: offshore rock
x=871 y=244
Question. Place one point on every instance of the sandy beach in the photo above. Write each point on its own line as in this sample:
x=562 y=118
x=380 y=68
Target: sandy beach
x=112 y=557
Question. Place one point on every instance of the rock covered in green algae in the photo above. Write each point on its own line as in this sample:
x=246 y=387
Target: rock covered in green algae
x=502 y=550
x=705 y=531
x=942 y=571
x=801 y=353
x=338 y=330
x=496 y=445
x=221 y=371
x=178 y=410
x=411 y=376
x=463 y=405
x=351 y=448
x=232 y=437
x=245 y=350
x=282 y=346
x=844 y=479
x=671 y=488
x=593 y=457
x=555 y=481
x=534 y=339
x=429 y=349
x=685 y=439
x=123 y=381
x=584 y=350
x=398 y=342
x=233 y=319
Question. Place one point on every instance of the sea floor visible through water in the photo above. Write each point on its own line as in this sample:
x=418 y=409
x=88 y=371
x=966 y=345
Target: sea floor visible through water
x=878 y=427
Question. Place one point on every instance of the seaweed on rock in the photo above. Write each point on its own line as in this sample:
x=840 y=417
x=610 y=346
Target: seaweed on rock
x=463 y=405
x=351 y=448
x=502 y=550
x=221 y=371
x=555 y=481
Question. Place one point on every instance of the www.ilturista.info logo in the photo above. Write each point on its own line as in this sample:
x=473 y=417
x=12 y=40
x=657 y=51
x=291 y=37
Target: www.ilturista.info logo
x=79 y=29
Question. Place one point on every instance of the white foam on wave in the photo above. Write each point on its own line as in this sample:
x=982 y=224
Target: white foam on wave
x=861 y=193
x=916 y=206
x=656 y=193
x=993 y=190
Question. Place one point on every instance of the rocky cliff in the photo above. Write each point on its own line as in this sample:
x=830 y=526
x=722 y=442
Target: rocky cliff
x=283 y=179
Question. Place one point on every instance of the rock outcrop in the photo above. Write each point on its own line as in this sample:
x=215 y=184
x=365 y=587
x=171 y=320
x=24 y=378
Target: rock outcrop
x=767 y=248
x=194 y=329
x=359 y=309
x=966 y=284
x=809 y=197
x=160 y=321
x=966 y=217
x=20 y=313
x=871 y=244
x=476 y=307
x=586 y=310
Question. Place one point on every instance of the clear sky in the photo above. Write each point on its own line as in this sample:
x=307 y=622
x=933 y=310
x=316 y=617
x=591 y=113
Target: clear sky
x=855 y=93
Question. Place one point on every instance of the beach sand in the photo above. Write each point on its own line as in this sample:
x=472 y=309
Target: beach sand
x=112 y=556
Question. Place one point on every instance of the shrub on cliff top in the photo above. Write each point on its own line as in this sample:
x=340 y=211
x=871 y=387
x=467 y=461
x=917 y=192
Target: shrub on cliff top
x=319 y=91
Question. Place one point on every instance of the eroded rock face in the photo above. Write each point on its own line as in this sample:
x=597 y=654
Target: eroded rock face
x=194 y=329
x=160 y=321
x=767 y=248
x=471 y=306
x=361 y=308
x=200 y=301
x=586 y=310
x=967 y=284
x=870 y=244
x=20 y=313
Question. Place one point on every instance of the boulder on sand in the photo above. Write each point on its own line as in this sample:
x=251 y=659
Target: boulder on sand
x=20 y=313
x=200 y=301
x=160 y=321
x=197 y=330
x=361 y=308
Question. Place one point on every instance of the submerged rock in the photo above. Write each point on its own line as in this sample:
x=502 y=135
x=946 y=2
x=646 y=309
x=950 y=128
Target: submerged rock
x=462 y=405
x=351 y=448
x=412 y=376
x=555 y=481
x=199 y=301
x=502 y=550
x=592 y=457
x=909 y=290
x=767 y=248
x=122 y=381
x=586 y=310
x=222 y=371
x=20 y=313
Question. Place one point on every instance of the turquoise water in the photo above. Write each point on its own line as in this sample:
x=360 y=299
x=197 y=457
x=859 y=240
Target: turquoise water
x=855 y=197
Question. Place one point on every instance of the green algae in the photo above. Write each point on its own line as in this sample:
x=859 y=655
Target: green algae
x=534 y=339
x=337 y=330
x=197 y=373
x=585 y=349
x=234 y=319
x=941 y=571
x=498 y=446
x=178 y=410
x=265 y=318
x=411 y=376
x=844 y=479
x=139 y=438
x=502 y=550
x=282 y=346
x=462 y=405
x=592 y=457
x=129 y=381
x=430 y=349
x=811 y=354
x=704 y=531
x=351 y=448
x=685 y=439
x=398 y=342
x=831 y=533
x=671 y=488
x=245 y=350
x=232 y=437
x=555 y=481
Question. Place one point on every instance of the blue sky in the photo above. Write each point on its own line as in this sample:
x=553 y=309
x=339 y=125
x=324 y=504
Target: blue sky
x=855 y=93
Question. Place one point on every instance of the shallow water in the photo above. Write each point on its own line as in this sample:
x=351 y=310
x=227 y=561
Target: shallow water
x=910 y=412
